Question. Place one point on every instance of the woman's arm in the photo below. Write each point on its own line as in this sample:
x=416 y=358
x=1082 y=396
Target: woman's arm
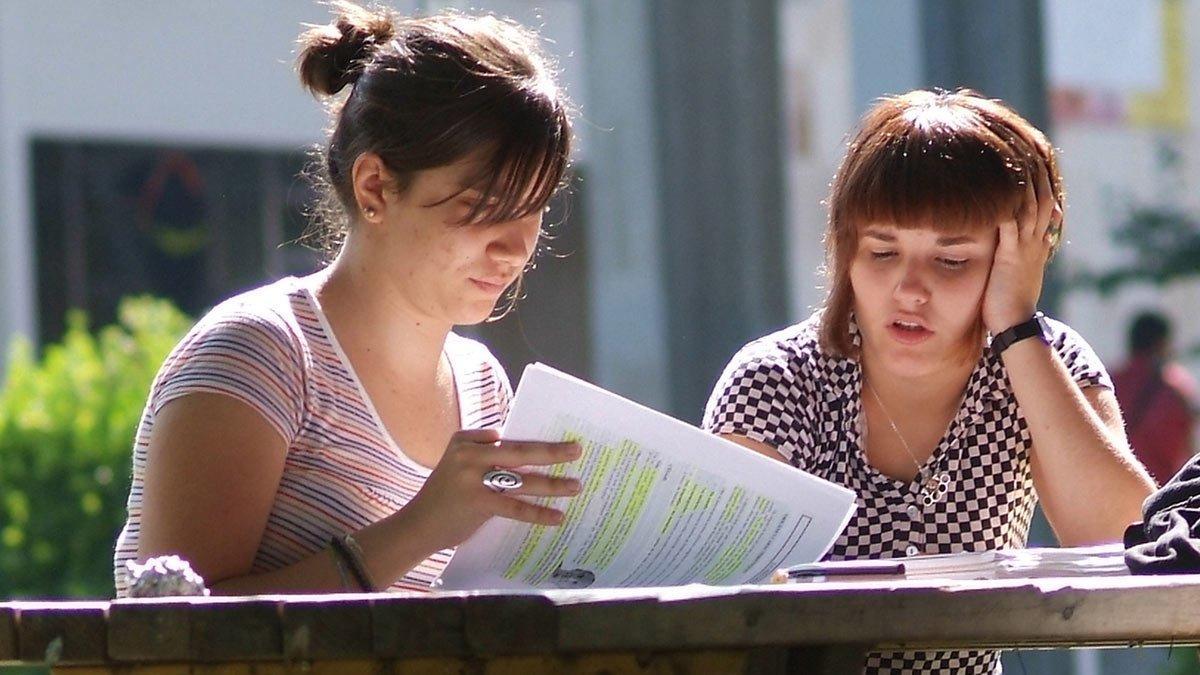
x=757 y=446
x=1090 y=485
x=213 y=469
x=209 y=488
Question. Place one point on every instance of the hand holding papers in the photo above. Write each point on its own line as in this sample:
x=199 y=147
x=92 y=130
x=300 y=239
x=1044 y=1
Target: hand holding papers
x=663 y=503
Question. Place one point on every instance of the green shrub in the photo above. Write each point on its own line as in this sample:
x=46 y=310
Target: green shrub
x=67 y=421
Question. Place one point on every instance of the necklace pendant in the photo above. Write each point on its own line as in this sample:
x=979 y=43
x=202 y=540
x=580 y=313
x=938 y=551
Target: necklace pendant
x=934 y=488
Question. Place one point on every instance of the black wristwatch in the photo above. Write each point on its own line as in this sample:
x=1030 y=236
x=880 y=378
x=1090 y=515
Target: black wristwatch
x=1035 y=327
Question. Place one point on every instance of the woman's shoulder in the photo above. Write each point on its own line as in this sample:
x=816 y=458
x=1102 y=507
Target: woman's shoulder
x=770 y=389
x=274 y=302
x=274 y=310
x=787 y=367
x=1067 y=341
x=247 y=347
x=1081 y=360
x=262 y=324
x=796 y=347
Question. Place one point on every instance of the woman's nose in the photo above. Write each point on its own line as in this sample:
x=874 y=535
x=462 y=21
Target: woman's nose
x=911 y=288
x=515 y=241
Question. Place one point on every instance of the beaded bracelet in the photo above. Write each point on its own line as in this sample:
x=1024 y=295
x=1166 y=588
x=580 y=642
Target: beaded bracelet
x=350 y=552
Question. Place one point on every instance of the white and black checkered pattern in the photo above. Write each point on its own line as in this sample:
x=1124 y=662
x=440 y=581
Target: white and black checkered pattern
x=782 y=390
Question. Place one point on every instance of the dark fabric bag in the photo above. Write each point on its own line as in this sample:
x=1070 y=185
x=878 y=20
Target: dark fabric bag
x=1167 y=541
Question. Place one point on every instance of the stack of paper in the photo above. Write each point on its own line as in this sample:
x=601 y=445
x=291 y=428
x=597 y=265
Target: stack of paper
x=1106 y=560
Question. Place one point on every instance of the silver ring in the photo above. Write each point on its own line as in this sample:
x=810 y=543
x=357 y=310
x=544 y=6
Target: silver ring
x=502 y=480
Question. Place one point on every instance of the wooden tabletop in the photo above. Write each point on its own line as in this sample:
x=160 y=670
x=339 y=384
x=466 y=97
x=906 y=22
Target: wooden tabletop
x=1045 y=612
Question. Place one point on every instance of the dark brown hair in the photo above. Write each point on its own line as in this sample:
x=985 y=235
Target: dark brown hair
x=427 y=92
x=952 y=161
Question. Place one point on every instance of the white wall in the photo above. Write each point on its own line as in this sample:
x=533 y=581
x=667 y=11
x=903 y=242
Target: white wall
x=217 y=72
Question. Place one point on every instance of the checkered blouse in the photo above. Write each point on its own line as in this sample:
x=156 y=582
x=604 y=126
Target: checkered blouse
x=782 y=390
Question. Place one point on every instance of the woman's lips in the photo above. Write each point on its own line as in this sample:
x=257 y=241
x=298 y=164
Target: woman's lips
x=489 y=285
x=908 y=333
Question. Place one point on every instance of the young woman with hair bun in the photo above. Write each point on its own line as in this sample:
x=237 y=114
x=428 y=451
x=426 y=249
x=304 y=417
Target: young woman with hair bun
x=331 y=432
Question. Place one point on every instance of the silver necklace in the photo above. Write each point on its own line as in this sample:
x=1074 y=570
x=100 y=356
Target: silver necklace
x=933 y=486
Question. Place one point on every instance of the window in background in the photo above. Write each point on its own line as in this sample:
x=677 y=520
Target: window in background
x=191 y=224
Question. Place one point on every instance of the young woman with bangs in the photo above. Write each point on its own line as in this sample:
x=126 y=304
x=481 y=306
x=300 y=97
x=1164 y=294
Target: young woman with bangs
x=305 y=436
x=928 y=382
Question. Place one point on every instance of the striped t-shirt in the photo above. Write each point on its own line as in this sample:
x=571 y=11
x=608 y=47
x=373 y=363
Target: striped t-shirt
x=272 y=348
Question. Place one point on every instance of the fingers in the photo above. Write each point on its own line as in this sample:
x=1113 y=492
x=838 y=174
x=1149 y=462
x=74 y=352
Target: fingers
x=532 y=453
x=538 y=485
x=480 y=450
x=1038 y=209
x=1028 y=213
x=1045 y=202
x=515 y=509
x=1054 y=232
x=485 y=446
x=533 y=485
x=1009 y=236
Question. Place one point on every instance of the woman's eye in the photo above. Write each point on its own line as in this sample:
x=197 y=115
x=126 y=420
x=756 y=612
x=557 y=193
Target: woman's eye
x=953 y=263
x=471 y=204
x=882 y=255
x=464 y=209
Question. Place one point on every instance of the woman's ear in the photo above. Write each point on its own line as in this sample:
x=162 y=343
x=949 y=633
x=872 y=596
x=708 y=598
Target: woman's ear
x=371 y=180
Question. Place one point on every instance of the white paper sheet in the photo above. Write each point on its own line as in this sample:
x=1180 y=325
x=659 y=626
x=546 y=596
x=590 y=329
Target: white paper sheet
x=663 y=503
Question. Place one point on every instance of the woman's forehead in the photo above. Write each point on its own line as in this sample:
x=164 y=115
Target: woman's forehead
x=941 y=232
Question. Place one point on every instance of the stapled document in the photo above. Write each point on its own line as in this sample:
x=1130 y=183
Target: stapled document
x=663 y=502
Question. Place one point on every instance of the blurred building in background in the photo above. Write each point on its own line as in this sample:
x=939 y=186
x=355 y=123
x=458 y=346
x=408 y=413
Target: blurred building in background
x=155 y=148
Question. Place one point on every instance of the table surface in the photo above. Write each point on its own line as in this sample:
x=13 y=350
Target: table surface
x=1046 y=612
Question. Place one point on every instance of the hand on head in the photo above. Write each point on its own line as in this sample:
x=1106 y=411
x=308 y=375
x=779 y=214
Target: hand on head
x=1025 y=244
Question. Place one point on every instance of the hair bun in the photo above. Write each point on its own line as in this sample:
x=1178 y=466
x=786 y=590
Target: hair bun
x=332 y=56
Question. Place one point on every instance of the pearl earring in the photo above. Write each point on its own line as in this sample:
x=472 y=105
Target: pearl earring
x=369 y=212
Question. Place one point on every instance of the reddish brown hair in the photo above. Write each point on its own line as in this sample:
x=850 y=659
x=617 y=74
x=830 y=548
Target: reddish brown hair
x=952 y=161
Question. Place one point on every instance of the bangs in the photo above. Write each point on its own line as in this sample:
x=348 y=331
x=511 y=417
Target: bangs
x=524 y=171
x=953 y=162
x=945 y=169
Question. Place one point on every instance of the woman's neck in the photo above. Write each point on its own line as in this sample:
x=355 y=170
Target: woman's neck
x=939 y=392
x=375 y=321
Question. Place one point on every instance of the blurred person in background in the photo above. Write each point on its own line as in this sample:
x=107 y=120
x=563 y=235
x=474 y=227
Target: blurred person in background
x=1157 y=397
x=305 y=435
x=928 y=383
